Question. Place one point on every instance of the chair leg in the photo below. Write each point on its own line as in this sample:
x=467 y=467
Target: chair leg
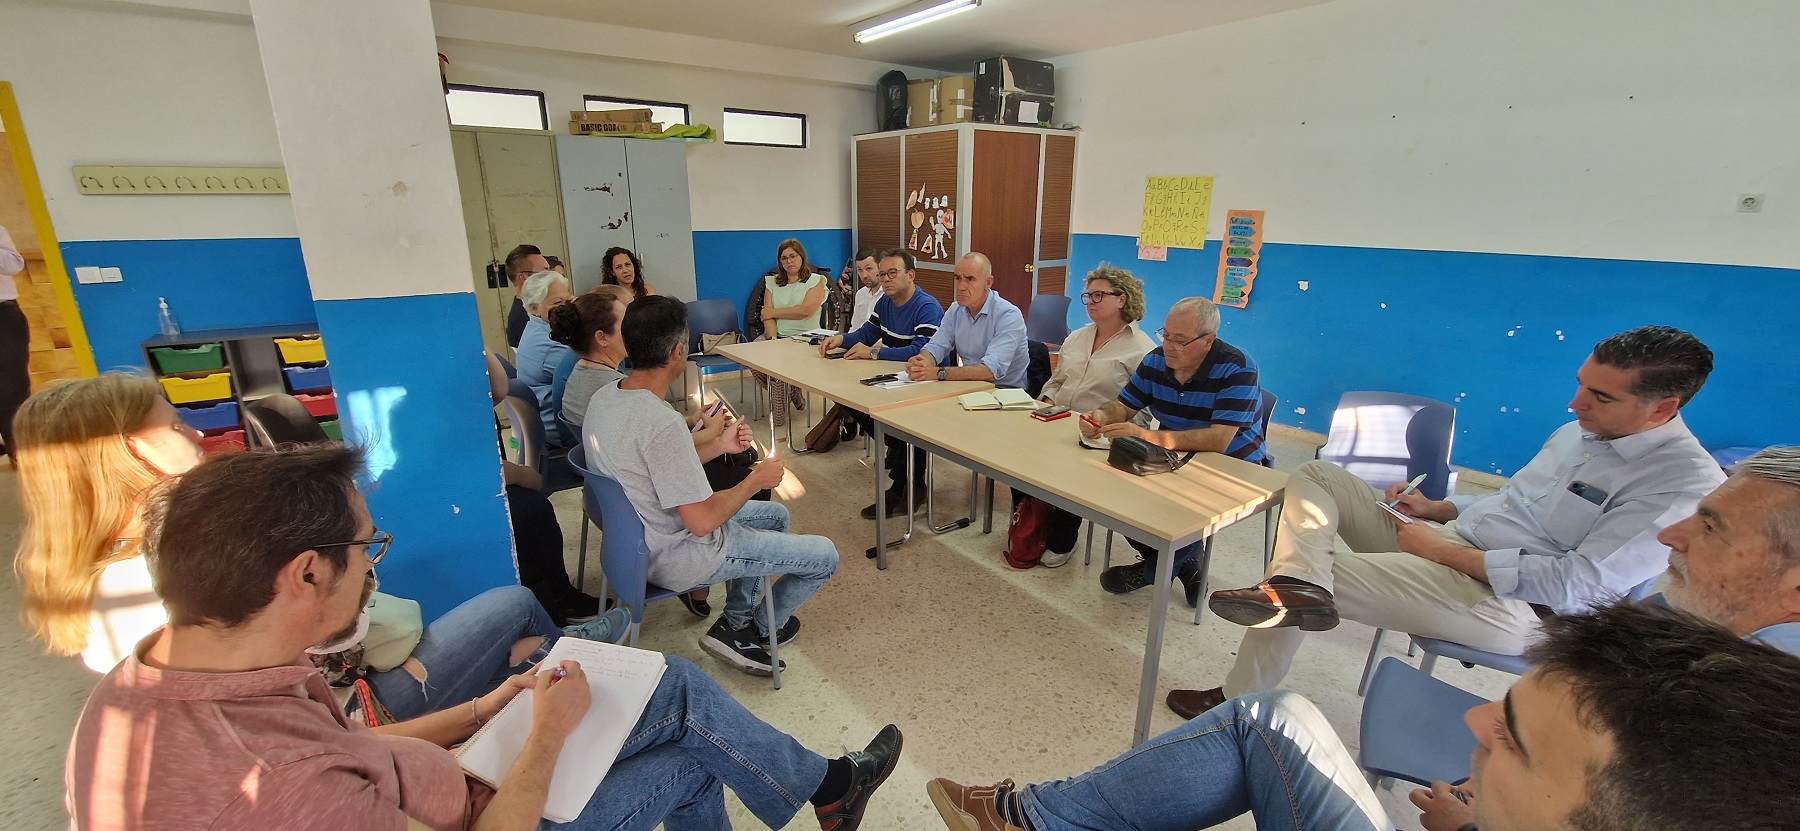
x=1108 y=562
x=634 y=630
x=1087 y=559
x=581 y=564
x=1205 y=569
x=1428 y=663
x=1271 y=522
x=774 y=634
x=1362 y=686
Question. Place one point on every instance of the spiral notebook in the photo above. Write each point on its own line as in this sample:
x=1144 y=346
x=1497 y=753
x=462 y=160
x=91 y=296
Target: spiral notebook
x=620 y=680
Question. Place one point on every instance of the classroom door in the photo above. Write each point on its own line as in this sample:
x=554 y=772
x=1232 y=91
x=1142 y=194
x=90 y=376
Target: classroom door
x=510 y=195
x=1002 y=209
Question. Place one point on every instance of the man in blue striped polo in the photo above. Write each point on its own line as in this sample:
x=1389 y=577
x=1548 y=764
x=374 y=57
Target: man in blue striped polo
x=1203 y=394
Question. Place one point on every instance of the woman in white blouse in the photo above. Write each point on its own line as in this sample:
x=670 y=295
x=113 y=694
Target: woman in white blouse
x=1096 y=362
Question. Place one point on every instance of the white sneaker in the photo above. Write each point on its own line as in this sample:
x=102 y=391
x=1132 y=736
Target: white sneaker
x=1052 y=559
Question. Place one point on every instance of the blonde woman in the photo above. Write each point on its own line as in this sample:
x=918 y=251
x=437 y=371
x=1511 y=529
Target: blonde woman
x=794 y=294
x=89 y=449
x=1096 y=362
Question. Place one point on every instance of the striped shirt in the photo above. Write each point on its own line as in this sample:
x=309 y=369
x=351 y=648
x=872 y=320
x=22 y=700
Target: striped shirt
x=902 y=330
x=1224 y=390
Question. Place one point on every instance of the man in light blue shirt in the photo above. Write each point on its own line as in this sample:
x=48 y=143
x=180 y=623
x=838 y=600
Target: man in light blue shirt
x=985 y=332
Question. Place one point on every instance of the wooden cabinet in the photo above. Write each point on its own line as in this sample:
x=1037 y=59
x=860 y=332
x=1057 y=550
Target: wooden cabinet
x=943 y=191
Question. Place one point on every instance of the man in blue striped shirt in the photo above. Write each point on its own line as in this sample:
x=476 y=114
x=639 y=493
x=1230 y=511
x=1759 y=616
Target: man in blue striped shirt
x=903 y=322
x=1204 y=394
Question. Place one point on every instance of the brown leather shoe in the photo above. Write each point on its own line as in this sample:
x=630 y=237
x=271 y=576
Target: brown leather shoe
x=1266 y=606
x=969 y=808
x=1190 y=703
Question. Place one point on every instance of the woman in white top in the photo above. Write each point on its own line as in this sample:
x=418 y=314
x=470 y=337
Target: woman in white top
x=1096 y=362
x=793 y=297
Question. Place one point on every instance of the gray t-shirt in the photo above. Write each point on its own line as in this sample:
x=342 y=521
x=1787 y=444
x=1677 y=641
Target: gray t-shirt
x=636 y=438
x=580 y=389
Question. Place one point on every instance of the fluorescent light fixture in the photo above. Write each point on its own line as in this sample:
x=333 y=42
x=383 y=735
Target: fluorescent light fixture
x=917 y=14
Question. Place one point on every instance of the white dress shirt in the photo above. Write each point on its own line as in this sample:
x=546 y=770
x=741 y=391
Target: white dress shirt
x=1087 y=378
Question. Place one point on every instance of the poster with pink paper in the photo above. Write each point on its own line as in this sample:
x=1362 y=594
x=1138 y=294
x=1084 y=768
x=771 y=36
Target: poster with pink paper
x=1238 y=258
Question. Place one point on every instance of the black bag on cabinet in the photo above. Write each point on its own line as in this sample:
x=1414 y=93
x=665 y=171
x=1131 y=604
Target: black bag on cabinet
x=890 y=101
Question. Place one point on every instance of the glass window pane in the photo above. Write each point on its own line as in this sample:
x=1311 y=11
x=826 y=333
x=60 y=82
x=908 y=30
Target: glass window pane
x=667 y=114
x=764 y=128
x=489 y=108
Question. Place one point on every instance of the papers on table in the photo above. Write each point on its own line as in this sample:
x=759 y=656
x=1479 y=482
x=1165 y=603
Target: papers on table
x=998 y=400
x=902 y=382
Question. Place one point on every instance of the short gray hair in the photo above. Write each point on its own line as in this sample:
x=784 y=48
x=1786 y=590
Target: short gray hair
x=537 y=287
x=1204 y=308
x=987 y=266
x=1779 y=466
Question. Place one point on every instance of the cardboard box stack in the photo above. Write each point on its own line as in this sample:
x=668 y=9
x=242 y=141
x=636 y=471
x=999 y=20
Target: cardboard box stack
x=921 y=103
x=956 y=99
x=583 y=122
x=1014 y=91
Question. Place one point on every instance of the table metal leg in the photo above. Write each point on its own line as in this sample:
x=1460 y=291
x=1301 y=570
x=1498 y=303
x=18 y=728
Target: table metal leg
x=1153 y=641
x=1088 y=558
x=930 y=501
x=987 y=520
x=1206 y=551
x=880 y=468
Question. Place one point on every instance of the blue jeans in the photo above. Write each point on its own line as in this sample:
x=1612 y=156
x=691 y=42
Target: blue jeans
x=757 y=545
x=1271 y=753
x=467 y=652
x=693 y=740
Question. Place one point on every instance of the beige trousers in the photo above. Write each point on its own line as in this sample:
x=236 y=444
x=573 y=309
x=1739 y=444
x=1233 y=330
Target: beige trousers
x=1374 y=583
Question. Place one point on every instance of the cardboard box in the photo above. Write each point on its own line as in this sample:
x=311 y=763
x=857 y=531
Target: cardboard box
x=637 y=115
x=921 y=103
x=996 y=78
x=1017 y=108
x=583 y=128
x=956 y=99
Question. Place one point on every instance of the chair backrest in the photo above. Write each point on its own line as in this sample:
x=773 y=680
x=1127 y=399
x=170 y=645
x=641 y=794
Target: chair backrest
x=624 y=555
x=1388 y=437
x=558 y=384
x=1047 y=321
x=527 y=424
x=507 y=367
x=1037 y=368
x=1263 y=412
x=1412 y=726
x=709 y=317
x=278 y=419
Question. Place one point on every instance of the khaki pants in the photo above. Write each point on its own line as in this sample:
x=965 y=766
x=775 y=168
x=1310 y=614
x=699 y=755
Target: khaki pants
x=1373 y=583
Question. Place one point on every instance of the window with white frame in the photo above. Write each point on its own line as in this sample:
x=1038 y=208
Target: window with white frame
x=764 y=128
x=473 y=106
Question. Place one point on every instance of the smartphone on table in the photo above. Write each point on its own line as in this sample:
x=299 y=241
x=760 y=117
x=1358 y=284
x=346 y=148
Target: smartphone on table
x=1051 y=413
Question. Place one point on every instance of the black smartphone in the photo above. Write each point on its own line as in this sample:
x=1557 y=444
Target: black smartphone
x=880 y=379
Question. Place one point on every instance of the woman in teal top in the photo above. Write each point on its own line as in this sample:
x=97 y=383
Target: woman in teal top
x=793 y=297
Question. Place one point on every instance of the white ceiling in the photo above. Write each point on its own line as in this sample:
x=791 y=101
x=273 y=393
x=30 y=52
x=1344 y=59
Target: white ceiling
x=1025 y=28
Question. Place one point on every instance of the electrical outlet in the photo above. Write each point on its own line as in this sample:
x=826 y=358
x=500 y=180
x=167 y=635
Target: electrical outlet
x=1749 y=203
x=111 y=274
x=86 y=274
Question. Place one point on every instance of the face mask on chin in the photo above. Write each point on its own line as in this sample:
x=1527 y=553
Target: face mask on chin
x=362 y=625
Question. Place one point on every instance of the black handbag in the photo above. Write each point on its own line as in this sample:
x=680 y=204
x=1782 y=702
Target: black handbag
x=1141 y=458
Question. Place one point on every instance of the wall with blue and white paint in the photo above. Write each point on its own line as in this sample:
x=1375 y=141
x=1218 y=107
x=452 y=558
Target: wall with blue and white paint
x=1462 y=198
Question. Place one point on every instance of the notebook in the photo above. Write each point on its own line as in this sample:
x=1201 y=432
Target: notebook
x=621 y=681
x=998 y=400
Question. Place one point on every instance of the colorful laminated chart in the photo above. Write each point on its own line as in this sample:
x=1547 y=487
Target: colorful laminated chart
x=1237 y=260
x=1175 y=211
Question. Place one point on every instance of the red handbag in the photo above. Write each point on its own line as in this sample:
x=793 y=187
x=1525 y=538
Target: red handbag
x=1029 y=533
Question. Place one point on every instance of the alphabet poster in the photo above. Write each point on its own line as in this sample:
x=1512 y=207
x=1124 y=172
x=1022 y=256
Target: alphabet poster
x=1175 y=211
x=1238 y=258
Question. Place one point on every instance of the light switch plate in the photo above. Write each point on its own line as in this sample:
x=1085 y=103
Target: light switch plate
x=110 y=274
x=87 y=274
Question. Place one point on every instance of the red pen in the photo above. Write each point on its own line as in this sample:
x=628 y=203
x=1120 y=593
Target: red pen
x=1097 y=426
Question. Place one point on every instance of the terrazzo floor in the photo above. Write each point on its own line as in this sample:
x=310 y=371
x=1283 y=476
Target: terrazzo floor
x=992 y=673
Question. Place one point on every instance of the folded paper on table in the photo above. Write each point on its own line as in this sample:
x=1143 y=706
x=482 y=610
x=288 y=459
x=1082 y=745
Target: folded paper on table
x=999 y=399
x=620 y=681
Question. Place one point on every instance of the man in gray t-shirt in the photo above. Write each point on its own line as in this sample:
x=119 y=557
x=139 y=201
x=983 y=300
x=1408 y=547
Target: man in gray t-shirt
x=697 y=536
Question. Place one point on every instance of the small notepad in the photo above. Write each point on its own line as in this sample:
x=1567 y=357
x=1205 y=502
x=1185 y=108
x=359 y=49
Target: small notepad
x=620 y=682
x=998 y=400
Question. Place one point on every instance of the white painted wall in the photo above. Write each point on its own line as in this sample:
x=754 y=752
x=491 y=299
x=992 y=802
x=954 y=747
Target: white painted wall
x=1607 y=128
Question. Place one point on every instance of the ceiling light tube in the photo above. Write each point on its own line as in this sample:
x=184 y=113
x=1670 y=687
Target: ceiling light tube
x=921 y=14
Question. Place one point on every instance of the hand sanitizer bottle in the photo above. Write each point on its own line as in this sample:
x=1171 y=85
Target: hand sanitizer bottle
x=166 y=318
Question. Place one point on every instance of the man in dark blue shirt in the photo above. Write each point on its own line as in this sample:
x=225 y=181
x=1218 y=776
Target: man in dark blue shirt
x=904 y=321
x=1204 y=395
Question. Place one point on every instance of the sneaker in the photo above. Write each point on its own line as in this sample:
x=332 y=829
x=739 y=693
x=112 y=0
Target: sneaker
x=1190 y=582
x=788 y=631
x=696 y=607
x=969 y=807
x=869 y=768
x=1124 y=579
x=579 y=607
x=608 y=628
x=1052 y=559
x=738 y=647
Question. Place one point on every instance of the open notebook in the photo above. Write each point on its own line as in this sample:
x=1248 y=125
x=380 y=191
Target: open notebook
x=621 y=681
x=998 y=400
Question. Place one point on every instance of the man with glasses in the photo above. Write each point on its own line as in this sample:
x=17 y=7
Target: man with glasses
x=1204 y=395
x=904 y=320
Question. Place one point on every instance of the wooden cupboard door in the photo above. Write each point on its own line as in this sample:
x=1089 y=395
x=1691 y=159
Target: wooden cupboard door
x=1052 y=279
x=927 y=206
x=1003 y=197
x=1059 y=195
x=878 y=190
x=939 y=282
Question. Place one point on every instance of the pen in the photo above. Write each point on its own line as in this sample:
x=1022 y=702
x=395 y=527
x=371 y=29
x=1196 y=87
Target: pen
x=1097 y=426
x=558 y=674
x=1410 y=487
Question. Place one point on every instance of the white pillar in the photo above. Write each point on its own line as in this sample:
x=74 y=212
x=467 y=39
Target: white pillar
x=360 y=113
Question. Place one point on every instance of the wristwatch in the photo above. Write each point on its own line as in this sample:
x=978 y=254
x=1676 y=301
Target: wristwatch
x=943 y=374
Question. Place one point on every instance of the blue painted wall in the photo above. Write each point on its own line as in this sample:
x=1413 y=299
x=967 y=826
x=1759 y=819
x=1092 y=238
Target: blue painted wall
x=428 y=425
x=1488 y=332
x=726 y=262
x=209 y=283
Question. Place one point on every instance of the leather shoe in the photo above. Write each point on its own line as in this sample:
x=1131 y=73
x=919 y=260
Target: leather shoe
x=969 y=807
x=1270 y=605
x=1190 y=582
x=896 y=503
x=869 y=768
x=1124 y=579
x=1191 y=703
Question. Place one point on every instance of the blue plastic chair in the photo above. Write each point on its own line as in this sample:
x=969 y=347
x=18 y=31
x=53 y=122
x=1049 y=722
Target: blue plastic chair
x=1413 y=728
x=1387 y=437
x=535 y=451
x=1047 y=321
x=711 y=317
x=507 y=367
x=625 y=556
x=559 y=381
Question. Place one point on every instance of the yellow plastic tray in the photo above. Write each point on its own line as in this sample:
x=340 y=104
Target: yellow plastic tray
x=301 y=350
x=189 y=390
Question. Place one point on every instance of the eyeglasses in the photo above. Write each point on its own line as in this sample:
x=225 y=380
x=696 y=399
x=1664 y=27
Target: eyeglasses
x=1162 y=336
x=889 y=274
x=1097 y=296
x=378 y=545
